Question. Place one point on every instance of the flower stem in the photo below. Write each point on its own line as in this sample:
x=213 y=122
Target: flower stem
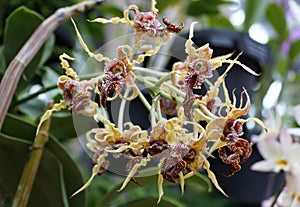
x=152 y=87
x=278 y=194
x=149 y=71
x=31 y=167
x=121 y=111
x=144 y=101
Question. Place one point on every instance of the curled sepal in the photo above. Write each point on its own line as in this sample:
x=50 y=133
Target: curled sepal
x=91 y=109
x=65 y=65
x=133 y=172
x=95 y=171
x=56 y=107
x=212 y=177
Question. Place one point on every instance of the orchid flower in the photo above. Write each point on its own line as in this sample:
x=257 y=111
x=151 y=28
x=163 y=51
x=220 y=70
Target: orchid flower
x=179 y=145
x=278 y=155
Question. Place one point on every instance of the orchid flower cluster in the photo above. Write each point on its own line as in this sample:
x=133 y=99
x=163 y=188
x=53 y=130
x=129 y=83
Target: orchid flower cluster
x=180 y=145
x=280 y=149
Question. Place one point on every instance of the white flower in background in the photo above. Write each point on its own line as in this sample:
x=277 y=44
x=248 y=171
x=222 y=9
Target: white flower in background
x=273 y=124
x=278 y=155
x=289 y=196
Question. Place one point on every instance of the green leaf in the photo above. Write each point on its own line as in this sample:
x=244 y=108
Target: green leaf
x=275 y=15
x=162 y=5
x=19 y=26
x=71 y=173
x=254 y=10
x=50 y=77
x=220 y=21
x=70 y=126
x=150 y=202
x=48 y=187
x=204 y=7
x=294 y=50
x=34 y=108
x=26 y=130
x=282 y=66
x=111 y=10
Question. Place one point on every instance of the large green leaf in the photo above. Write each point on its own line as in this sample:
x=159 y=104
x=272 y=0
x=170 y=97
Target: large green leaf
x=204 y=7
x=162 y=5
x=275 y=15
x=254 y=10
x=48 y=188
x=62 y=126
x=294 y=50
x=20 y=25
x=70 y=126
x=17 y=127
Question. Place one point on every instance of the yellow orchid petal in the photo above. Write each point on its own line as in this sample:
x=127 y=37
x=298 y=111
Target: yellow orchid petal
x=95 y=171
x=249 y=70
x=160 y=181
x=48 y=113
x=160 y=187
x=133 y=171
x=114 y=20
x=153 y=8
x=181 y=181
x=65 y=65
x=212 y=177
x=218 y=144
x=258 y=121
x=81 y=41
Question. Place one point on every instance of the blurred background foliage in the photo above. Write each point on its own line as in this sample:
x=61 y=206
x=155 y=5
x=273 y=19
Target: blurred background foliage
x=65 y=165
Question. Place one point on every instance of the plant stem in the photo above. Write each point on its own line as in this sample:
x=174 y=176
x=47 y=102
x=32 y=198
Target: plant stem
x=121 y=111
x=31 y=167
x=31 y=47
x=278 y=193
x=149 y=71
x=152 y=87
x=144 y=101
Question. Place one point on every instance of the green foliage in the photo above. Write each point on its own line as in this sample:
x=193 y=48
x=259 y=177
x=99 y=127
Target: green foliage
x=20 y=25
x=58 y=176
x=294 y=50
x=162 y=5
x=203 y=7
x=276 y=17
x=254 y=10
